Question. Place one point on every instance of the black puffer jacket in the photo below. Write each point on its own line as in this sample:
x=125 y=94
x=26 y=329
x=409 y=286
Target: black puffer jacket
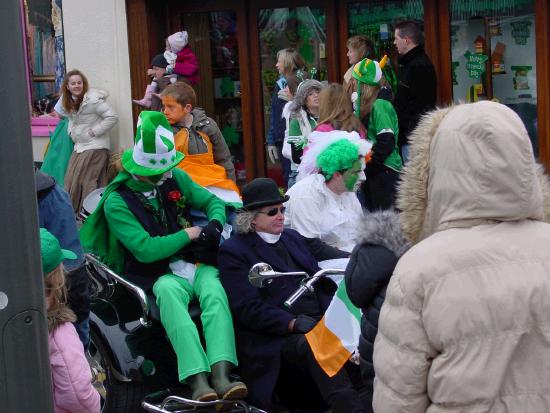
x=367 y=276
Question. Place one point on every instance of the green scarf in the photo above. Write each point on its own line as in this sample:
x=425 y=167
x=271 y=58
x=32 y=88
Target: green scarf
x=94 y=233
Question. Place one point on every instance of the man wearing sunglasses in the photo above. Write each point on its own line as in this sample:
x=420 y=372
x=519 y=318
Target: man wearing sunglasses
x=270 y=337
x=325 y=205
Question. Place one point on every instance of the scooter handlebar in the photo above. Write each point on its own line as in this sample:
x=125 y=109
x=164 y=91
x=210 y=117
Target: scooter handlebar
x=295 y=295
x=308 y=285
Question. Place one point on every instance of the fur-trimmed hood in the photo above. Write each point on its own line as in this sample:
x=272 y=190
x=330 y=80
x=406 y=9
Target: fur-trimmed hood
x=383 y=228
x=469 y=165
x=59 y=316
x=304 y=89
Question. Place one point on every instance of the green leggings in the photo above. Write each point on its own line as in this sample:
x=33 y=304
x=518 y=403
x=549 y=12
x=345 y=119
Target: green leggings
x=173 y=295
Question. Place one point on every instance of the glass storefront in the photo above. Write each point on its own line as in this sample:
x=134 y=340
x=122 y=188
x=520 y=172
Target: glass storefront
x=376 y=20
x=493 y=56
x=302 y=28
x=45 y=52
x=213 y=38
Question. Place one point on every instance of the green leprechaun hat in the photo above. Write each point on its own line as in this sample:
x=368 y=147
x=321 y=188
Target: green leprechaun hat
x=153 y=152
x=369 y=72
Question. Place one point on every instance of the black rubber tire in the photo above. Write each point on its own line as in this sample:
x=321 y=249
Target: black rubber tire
x=121 y=397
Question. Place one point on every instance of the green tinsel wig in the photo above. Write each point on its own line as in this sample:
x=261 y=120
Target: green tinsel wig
x=338 y=156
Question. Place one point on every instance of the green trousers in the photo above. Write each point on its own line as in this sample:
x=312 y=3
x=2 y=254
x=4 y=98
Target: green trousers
x=173 y=295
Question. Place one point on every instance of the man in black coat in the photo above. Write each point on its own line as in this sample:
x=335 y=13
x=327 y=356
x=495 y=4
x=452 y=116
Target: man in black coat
x=417 y=89
x=367 y=276
x=269 y=335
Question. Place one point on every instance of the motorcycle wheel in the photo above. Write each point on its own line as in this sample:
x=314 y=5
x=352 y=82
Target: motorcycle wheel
x=116 y=396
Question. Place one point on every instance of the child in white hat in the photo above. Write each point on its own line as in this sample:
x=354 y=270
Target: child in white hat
x=180 y=60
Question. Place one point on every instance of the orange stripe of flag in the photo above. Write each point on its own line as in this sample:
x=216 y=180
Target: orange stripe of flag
x=327 y=348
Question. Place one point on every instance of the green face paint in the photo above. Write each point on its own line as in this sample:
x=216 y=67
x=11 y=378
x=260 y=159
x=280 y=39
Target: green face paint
x=351 y=176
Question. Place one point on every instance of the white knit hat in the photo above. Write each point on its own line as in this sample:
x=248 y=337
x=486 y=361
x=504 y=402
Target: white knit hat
x=178 y=41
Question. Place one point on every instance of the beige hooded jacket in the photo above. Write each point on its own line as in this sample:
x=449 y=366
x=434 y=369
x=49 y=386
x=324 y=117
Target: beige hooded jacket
x=466 y=322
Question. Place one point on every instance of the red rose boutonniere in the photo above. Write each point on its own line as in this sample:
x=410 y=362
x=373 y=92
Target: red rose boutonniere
x=179 y=200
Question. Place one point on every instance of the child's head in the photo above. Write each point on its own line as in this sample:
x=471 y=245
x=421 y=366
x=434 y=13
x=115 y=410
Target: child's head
x=52 y=269
x=307 y=95
x=158 y=66
x=178 y=101
x=177 y=41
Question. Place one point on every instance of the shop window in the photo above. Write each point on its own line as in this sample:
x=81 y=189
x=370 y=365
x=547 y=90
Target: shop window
x=376 y=20
x=493 y=56
x=213 y=38
x=45 y=60
x=302 y=28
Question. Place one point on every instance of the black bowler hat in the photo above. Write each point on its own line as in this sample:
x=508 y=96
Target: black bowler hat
x=261 y=192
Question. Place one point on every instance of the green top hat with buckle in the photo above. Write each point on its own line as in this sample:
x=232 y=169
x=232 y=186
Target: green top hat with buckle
x=154 y=152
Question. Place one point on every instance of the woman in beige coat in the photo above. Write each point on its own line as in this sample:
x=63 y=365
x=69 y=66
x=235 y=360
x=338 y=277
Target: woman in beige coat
x=466 y=323
x=91 y=119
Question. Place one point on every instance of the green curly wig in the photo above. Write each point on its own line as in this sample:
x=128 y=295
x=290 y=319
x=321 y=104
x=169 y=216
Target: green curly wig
x=336 y=157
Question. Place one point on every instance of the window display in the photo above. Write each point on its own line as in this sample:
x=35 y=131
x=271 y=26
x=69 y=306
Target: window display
x=376 y=19
x=301 y=28
x=45 y=52
x=493 y=57
x=213 y=37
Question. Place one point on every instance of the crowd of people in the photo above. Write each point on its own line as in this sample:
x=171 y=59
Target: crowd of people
x=440 y=214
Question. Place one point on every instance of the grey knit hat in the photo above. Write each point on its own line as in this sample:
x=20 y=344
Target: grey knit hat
x=302 y=92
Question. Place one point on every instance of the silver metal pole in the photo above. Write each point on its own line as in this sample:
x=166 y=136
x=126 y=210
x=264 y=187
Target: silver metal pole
x=25 y=378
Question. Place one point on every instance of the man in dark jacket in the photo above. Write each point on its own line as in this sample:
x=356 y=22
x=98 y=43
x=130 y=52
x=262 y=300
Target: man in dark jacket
x=367 y=276
x=417 y=88
x=270 y=336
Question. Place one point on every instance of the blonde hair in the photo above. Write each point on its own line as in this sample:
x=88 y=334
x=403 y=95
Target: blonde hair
x=55 y=289
x=243 y=222
x=362 y=44
x=67 y=102
x=335 y=108
x=368 y=95
x=291 y=59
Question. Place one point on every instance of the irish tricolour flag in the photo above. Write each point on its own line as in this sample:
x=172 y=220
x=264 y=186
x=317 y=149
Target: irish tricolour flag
x=335 y=338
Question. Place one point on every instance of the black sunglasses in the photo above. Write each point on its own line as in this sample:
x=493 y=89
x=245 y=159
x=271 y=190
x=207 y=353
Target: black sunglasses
x=272 y=212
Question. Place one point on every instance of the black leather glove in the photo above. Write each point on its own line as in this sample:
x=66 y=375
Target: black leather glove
x=303 y=324
x=211 y=234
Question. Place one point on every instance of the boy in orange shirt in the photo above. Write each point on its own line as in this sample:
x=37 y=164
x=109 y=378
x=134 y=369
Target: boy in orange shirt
x=207 y=157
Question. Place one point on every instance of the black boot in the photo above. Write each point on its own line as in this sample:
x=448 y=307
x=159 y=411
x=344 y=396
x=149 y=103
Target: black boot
x=202 y=391
x=227 y=389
